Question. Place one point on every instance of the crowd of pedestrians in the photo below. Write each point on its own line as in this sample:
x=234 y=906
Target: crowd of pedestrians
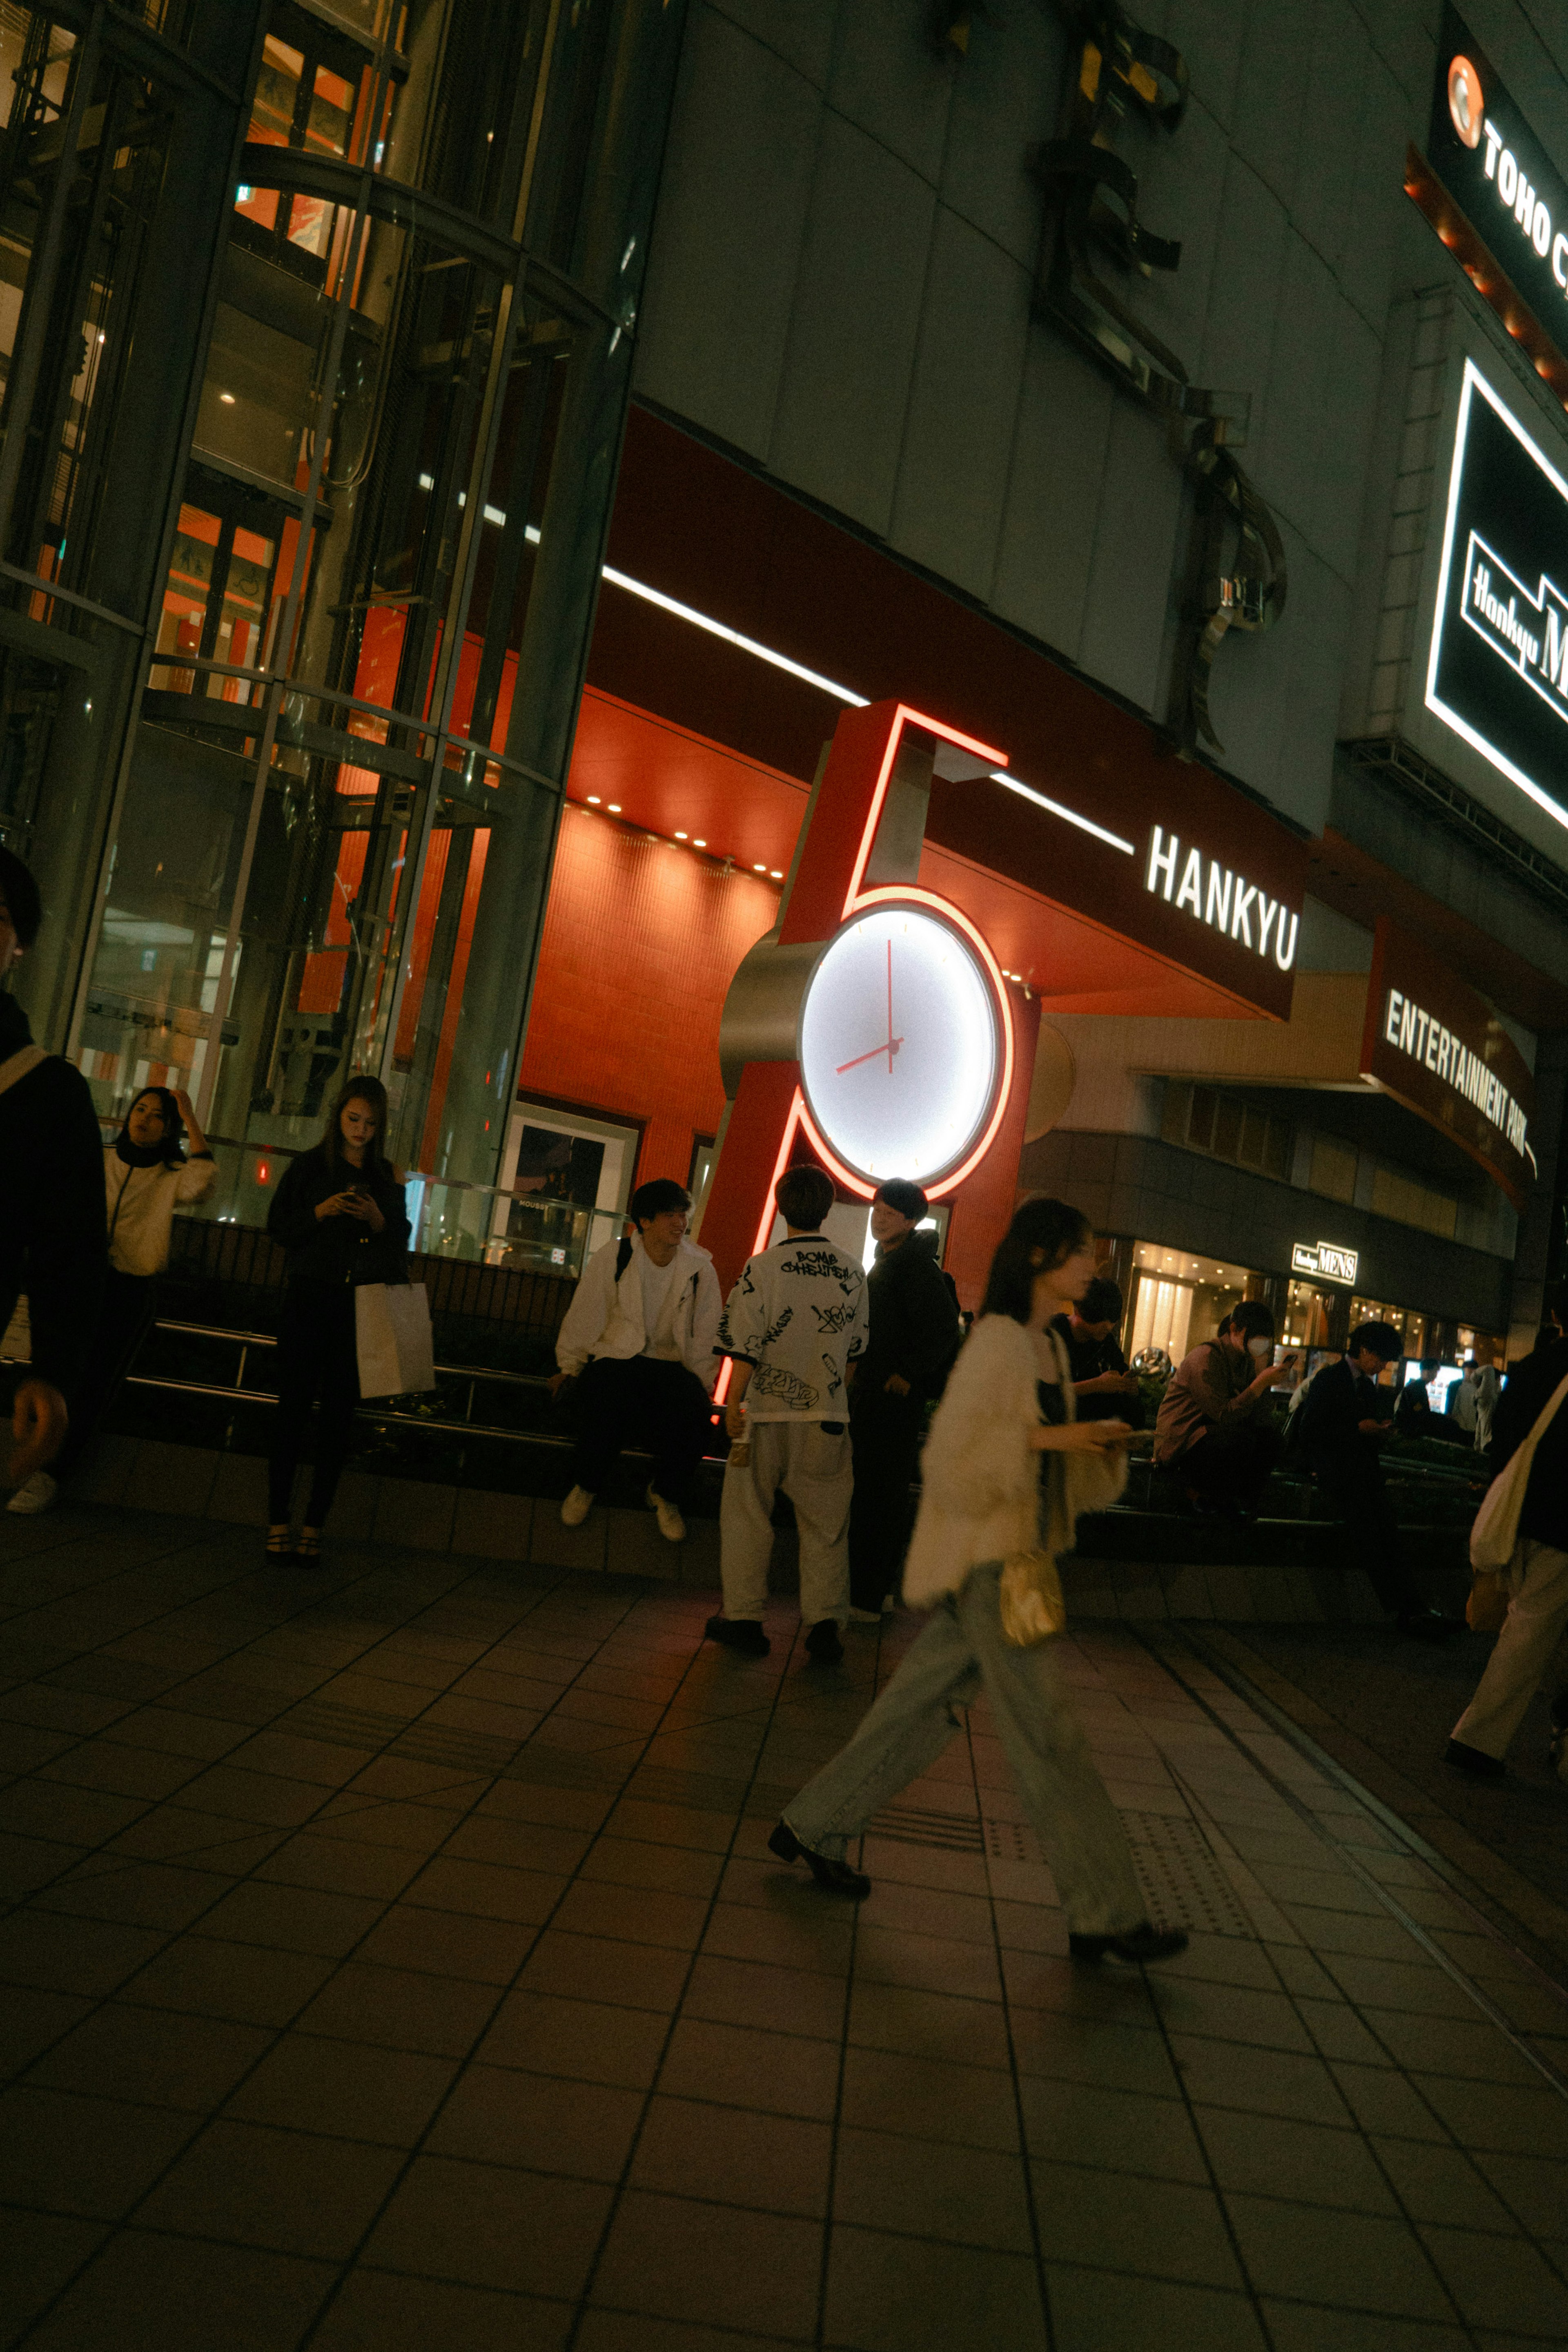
x=825 y=1379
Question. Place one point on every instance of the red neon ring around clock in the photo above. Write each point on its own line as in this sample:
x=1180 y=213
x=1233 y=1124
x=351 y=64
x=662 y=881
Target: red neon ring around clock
x=904 y=894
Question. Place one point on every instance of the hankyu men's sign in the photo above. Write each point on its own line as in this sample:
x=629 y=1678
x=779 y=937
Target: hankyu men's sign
x=1497 y=670
x=1325 y=1261
x=1213 y=893
x=1487 y=158
x=1438 y=1048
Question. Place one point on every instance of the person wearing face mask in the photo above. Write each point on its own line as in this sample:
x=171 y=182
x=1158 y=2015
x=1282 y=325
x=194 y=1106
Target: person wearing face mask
x=1213 y=1431
x=1003 y=1475
x=1341 y=1431
x=51 y=1199
x=146 y=1177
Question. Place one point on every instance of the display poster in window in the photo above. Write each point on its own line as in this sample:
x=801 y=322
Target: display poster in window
x=1437 y=1047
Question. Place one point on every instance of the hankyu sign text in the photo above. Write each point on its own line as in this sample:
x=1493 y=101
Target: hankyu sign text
x=1325 y=1261
x=1215 y=894
x=1496 y=670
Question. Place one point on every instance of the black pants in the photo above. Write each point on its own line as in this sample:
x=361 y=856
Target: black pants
x=1351 y=1485
x=885 y=1432
x=316 y=1364
x=124 y=1317
x=1230 y=1465
x=616 y=1399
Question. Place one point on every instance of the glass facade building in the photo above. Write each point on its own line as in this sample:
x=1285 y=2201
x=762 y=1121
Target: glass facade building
x=315 y=324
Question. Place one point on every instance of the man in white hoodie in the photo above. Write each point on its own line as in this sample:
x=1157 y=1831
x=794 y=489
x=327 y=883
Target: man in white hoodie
x=637 y=1351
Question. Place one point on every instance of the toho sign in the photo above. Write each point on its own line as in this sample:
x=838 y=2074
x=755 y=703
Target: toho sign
x=1325 y=1261
x=1483 y=151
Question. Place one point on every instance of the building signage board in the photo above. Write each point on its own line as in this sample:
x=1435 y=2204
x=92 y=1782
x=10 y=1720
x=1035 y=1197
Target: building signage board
x=1325 y=1261
x=1482 y=149
x=1438 y=1048
x=1497 y=670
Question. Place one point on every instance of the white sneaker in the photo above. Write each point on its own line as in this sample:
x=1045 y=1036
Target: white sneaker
x=37 y=1494
x=672 y=1526
x=866 y=1616
x=576 y=1508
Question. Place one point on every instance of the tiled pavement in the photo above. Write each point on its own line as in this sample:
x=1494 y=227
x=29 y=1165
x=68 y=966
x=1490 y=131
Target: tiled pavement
x=397 y=1963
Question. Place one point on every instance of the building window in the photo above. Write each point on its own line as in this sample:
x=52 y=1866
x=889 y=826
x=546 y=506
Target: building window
x=1410 y=1203
x=1228 y=1126
x=1179 y=1301
x=1333 y=1167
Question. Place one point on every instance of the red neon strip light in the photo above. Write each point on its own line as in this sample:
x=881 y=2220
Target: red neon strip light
x=764 y=1224
x=905 y=717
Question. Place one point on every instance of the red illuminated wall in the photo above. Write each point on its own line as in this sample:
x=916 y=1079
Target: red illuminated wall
x=640 y=942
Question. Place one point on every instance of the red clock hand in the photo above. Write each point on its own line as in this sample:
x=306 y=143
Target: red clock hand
x=890 y=1049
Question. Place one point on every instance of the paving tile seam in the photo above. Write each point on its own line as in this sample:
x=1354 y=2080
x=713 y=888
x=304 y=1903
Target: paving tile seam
x=1413 y=1927
x=126 y=2221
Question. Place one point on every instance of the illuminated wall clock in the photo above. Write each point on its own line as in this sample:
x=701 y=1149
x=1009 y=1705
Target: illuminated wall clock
x=906 y=1043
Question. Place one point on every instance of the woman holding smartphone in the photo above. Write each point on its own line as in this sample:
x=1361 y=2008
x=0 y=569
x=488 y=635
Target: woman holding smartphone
x=339 y=1214
x=995 y=1484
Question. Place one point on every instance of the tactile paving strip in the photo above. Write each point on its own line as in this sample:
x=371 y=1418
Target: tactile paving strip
x=1183 y=1882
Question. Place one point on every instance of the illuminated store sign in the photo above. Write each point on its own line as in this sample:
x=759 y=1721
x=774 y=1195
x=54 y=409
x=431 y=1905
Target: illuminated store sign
x=1214 y=894
x=1482 y=149
x=1325 y=1261
x=1437 y=1047
x=1497 y=670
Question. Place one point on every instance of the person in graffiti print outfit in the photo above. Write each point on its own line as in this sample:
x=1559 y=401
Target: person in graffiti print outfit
x=791 y=1325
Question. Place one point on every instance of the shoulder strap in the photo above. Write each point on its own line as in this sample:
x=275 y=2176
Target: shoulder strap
x=21 y=1065
x=622 y=1257
x=1542 y=1421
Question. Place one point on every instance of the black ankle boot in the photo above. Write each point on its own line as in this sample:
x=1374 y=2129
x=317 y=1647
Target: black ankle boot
x=835 y=1877
x=1135 y=1946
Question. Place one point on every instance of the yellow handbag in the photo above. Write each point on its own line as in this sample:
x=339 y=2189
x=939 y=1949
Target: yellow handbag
x=1033 y=1608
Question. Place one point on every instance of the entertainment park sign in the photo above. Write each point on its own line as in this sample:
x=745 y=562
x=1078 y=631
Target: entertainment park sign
x=1438 y=1047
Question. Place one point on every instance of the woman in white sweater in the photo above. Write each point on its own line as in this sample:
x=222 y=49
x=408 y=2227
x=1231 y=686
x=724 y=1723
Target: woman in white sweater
x=146 y=1178
x=1001 y=1476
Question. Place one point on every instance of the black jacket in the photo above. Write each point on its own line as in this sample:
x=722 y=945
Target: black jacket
x=53 y=1221
x=333 y=1251
x=1528 y=1388
x=1338 y=1399
x=1088 y=1359
x=915 y=1325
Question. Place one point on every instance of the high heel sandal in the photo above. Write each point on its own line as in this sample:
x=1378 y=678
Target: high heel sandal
x=308 y=1549
x=279 y=1544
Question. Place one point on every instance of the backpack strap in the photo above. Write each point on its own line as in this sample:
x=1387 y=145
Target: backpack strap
x=20 y=1064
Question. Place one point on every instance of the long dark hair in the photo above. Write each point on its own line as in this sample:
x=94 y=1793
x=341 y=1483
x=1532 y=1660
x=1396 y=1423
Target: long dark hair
x=376 y=1163
x=171 y=1148
x=1043 y=1234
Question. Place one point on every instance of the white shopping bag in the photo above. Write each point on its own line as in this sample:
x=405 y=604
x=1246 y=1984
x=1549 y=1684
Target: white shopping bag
x=391 y=1334
x=17 y=1347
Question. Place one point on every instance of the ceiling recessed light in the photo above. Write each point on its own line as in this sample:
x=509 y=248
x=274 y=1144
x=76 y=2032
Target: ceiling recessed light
x=615 y=808
x=776 y=873
x=759 y=869
x=593 y=800
x=699 y=843
x=680 y=836
x=228 y=398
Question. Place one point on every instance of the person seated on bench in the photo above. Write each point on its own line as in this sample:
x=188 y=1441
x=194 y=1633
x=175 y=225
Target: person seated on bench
x=1213 y=1432
x=1341 y=1431
x=635 y=1353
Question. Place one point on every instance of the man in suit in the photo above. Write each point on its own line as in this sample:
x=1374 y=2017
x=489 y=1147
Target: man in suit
x=1341 y=1428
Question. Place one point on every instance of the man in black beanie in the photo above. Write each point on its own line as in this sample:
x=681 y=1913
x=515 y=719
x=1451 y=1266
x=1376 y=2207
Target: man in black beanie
x=53 y=1241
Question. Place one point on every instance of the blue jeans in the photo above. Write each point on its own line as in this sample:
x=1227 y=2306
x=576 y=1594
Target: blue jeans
x=960 y=1650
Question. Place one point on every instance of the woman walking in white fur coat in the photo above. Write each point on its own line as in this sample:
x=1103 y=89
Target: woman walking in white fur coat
x=1005 y=1470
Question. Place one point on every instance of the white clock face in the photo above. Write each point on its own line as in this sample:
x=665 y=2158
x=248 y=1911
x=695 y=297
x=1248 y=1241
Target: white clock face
x=900 y=1044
